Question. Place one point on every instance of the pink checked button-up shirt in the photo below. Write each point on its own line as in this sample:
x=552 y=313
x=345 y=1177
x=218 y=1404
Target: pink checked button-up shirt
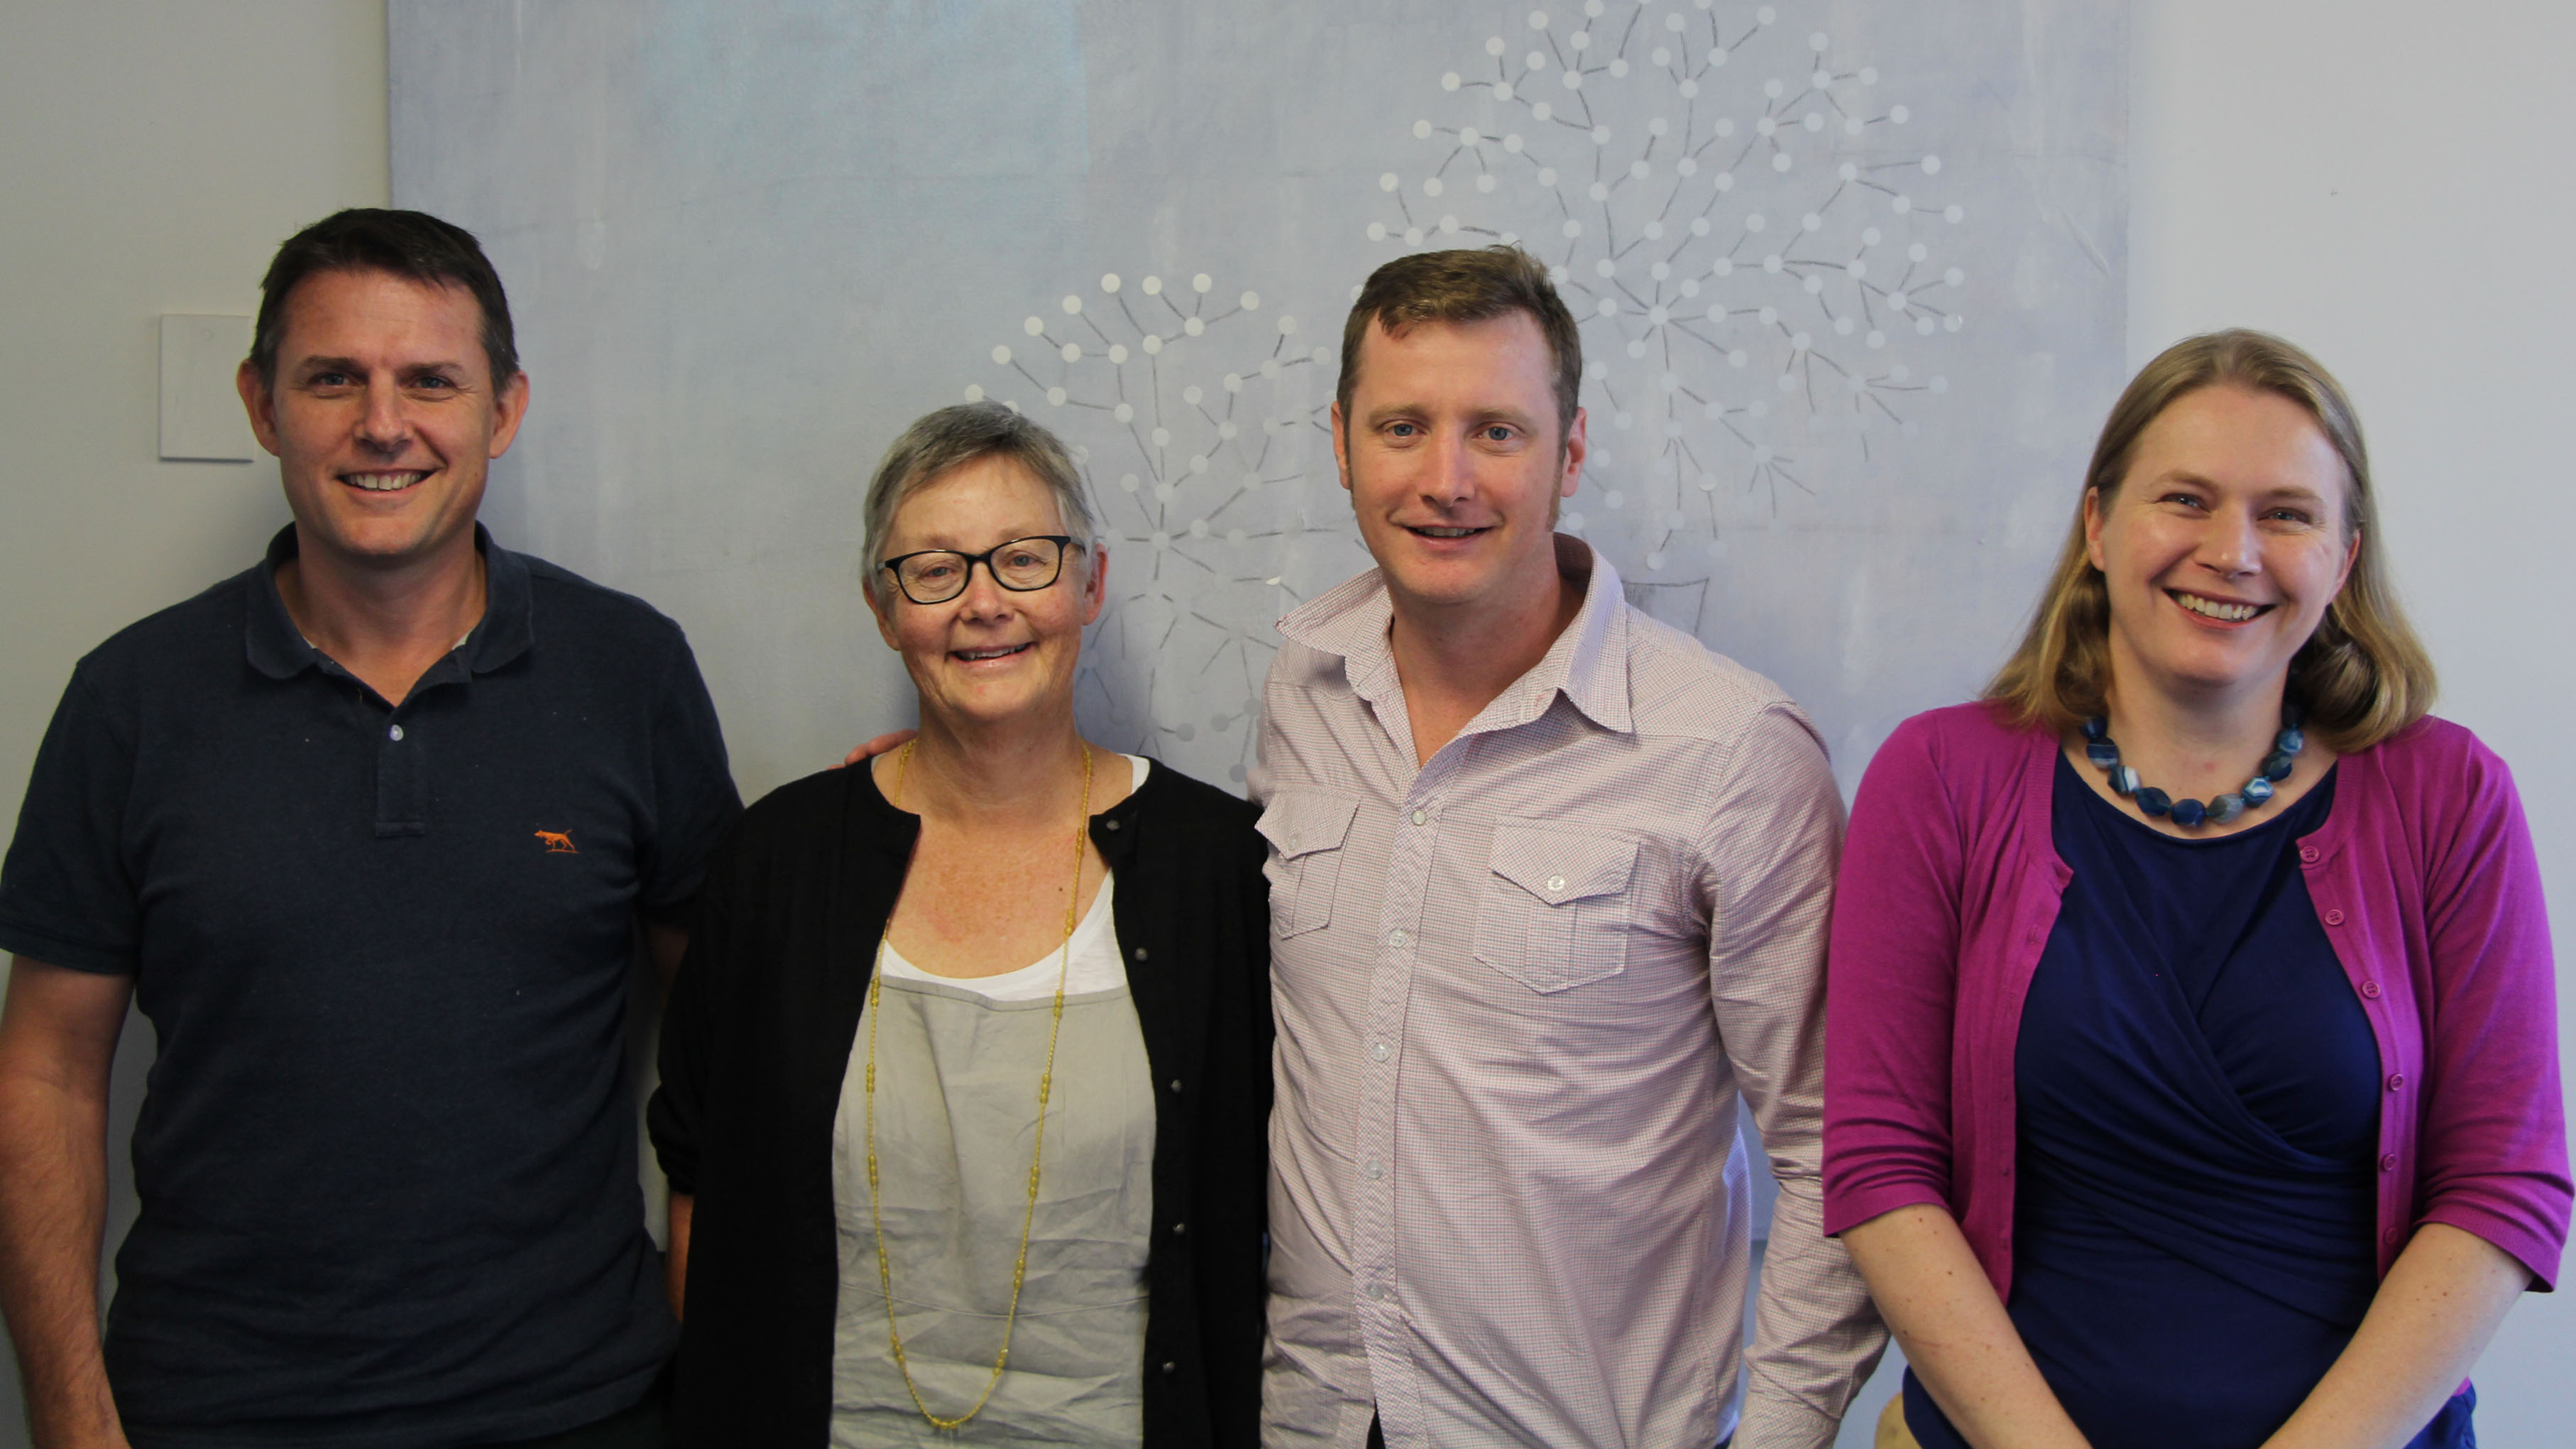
x=1520 y=990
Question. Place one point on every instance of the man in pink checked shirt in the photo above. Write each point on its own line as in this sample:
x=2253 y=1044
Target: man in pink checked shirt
x=1549 y=888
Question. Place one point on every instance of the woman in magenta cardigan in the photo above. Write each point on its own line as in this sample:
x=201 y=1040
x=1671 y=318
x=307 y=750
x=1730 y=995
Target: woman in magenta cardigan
x=2192 y=1075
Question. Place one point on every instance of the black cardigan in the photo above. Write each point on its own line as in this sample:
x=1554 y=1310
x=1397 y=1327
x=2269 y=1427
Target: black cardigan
x=757 y=1039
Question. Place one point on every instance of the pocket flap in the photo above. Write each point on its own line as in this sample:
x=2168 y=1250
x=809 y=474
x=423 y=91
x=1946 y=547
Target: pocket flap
x=1560 y=865
x=1300 y=823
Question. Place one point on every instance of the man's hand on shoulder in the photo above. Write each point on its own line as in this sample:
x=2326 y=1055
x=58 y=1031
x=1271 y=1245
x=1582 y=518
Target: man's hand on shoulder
x=891 y=740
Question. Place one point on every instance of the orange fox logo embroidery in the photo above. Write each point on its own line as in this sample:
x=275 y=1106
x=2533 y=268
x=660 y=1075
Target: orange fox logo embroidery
x=557 y=842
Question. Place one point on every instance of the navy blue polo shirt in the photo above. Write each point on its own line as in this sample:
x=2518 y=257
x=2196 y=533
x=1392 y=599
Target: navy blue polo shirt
x=387 y=1153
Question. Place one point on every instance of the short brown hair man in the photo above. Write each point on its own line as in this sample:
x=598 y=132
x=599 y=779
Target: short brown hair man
x=1549 y=884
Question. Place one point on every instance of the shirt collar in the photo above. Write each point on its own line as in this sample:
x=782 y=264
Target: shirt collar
x=1587 y=663
x=507 y=629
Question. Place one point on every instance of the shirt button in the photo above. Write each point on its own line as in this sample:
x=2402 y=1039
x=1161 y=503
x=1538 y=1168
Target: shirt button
x=1379 y=1053
x=1421 y=818
x=1374 y=1170
x=1380 y=1292
x=2334 y=918
x=394 y=734
x=1396 y=940
x=2388 y=1162
x=2370 y=989
x=1555 y=883
x=2397 y=1081
x=1292 y=840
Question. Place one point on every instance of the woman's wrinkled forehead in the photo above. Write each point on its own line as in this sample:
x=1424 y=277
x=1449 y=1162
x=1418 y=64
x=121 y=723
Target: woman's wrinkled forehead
x=992 y=493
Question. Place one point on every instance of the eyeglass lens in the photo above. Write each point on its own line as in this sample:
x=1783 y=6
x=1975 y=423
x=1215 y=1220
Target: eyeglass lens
x=1021 y=565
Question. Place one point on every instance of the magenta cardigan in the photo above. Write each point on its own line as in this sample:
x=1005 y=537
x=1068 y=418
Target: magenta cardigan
x=2422 y=875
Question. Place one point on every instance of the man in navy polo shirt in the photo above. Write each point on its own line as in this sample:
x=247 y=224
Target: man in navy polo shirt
x=366 y=831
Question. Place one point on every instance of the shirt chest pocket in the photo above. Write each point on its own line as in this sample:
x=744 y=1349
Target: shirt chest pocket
x=1306 y=833
x=1555 y=912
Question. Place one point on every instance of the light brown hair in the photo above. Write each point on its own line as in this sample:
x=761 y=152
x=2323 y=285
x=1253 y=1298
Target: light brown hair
x=2362 y=676
x=1469 y=285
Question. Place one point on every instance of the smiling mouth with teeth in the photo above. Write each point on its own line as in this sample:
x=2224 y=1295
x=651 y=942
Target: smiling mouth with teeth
x=2213 y=609
x=973 y=656
x=1431 y=532
x=383 y=482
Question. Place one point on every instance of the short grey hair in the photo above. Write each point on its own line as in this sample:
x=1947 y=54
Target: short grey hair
x=939 y=443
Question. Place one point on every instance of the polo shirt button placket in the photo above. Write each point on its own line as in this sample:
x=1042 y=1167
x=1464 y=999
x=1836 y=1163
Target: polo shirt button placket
x=402 y=789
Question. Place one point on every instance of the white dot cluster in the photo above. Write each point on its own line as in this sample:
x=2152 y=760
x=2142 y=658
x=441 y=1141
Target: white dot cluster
x=1195 y=413
x=1735 y=215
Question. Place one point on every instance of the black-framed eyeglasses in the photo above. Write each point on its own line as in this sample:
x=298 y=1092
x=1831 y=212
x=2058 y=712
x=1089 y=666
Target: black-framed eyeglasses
x=1024 y=566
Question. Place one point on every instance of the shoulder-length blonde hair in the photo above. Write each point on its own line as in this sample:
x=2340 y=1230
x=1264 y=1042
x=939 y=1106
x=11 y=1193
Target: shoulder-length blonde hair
x=2363 y=676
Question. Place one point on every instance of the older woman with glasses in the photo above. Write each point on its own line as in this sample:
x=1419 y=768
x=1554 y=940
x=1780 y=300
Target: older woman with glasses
x=964 y=1080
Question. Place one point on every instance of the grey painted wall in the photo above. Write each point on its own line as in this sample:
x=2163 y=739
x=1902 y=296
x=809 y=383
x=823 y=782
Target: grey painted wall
x=745 y=254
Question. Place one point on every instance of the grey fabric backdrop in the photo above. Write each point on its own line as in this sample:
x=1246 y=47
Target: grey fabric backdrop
x=1852 y=277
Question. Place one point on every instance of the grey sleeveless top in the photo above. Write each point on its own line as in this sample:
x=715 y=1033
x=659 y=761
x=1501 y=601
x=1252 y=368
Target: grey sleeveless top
x=956 y=1105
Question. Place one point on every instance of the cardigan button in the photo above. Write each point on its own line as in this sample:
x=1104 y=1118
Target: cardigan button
x=2370 y=989
x=2307 y=855
x=2397 y=1081
x=2388 y=1162
x=1176 y=1084
x=1140 y=953
x=1170 y=1367
x=1179 y=1228
x=2334 y=918
x=1108 y=824
x=2389 y=1237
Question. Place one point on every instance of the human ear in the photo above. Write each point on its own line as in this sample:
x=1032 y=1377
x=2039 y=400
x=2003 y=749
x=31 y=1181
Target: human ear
x=509 y=406
x=881 y=605
x=1095 y=587
x=1341 y=447
x=258 y=402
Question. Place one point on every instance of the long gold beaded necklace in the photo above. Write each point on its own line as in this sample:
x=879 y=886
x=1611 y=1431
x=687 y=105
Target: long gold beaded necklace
x=1046 y=1085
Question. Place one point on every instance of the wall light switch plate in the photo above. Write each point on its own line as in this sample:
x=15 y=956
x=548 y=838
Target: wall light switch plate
x=201 y=414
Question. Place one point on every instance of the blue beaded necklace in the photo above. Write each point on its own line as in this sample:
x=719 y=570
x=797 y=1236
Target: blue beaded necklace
x=2189 y=813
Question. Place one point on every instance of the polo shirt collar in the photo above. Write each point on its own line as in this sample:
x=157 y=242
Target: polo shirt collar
x=1588 y=662
x=507 y=629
